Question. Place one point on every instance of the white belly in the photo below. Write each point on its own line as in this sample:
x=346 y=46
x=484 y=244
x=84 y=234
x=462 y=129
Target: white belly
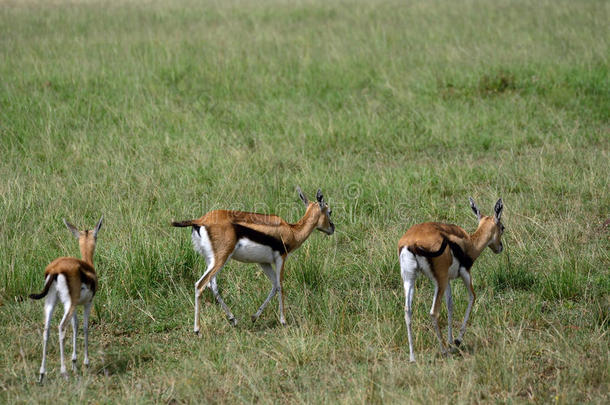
x=86 y=294
x=454 y=269
x=424 y=267
x=252 y=252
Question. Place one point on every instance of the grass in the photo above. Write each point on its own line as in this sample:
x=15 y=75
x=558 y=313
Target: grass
x=152 y=111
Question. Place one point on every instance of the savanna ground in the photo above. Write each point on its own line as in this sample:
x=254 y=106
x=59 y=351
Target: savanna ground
x=148 y=111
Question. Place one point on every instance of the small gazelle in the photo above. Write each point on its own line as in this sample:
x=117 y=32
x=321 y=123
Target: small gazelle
x=444 y=252
x=252 y=238
x=74 y=282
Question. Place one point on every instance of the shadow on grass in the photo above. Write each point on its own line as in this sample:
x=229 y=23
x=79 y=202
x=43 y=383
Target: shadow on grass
x=124 y=360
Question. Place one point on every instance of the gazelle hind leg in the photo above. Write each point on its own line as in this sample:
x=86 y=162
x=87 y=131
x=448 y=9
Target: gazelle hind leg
x=200 y=285
x=465 y=276
x=214 y=288
x=74 y=330
x=449 y=302
x=69 y=312
x=434 y=313
x=49 y=307
x=270 y=273
x=86 y=313
x=408 y=271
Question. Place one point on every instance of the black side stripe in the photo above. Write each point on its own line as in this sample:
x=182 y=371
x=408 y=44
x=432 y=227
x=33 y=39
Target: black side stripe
x=463 y=259
x=421 y=252
x=261 y=238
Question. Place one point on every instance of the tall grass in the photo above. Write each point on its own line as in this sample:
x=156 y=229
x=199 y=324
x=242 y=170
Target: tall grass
x=152 y=111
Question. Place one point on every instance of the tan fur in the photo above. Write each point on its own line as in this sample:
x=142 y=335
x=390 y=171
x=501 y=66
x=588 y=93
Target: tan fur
x=77 y=272
x=434 y=246
x=222 y=236
x=225 y=228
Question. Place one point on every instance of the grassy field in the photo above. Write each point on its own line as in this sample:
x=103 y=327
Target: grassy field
x=148 y=111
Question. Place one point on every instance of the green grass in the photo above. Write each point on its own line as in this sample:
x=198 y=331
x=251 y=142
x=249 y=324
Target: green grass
x=159 y=110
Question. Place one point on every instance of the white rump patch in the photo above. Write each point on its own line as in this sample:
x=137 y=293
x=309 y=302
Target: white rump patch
x=202 y=245
x=62 y=289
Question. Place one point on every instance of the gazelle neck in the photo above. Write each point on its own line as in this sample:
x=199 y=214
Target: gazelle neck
x=479 y=240
x=306 y=225
x=87 y=254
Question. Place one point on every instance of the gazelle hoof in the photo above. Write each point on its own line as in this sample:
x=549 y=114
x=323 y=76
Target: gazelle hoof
x=40 y=378
x=196 y=333
x=254 y=318
x=233 y=321
x=457 y=342
x=73 y=364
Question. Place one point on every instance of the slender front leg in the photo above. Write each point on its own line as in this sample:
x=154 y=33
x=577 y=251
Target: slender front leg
x=69 y=312
x=214 y=288
x=465 y=276
x=49 y=306
x=74 y=329
x=449 y=302
x=279 y=272
x=268 y=270
x=86 y=313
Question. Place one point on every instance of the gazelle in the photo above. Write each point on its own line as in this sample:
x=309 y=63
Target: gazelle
x=252 y=238
x=444 y=252
x=74 y=282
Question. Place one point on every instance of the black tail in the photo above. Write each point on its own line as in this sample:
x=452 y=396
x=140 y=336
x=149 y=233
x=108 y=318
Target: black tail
x=183 y=224
x=45 y=290
x=421 y=252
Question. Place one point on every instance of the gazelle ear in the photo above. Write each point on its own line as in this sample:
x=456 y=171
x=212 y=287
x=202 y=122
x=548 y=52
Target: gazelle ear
x=98 y=227
x=475 y=209
x=302 y=196
x=72 y=229
x=320 y=198
x=498 y=210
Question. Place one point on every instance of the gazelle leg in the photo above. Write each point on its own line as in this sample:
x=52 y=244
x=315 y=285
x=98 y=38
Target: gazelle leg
x=49 y=306
x=270 y=273
x=86 y=313
x=200 y=285
x=74 y=329
x=408 y=271
x=279 y=272
x=409 y=285
x=214 y=288
x=434 y=312
x=69 y=312
x=465 y=275
x=449 y=302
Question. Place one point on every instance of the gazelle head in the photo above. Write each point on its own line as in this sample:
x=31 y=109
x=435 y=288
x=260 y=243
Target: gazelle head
x=491 y=225
x=325 y=224
x=86 y=238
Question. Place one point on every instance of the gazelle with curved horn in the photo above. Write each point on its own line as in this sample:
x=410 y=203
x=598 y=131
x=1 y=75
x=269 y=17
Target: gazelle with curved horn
x=444 y=252
x=74 y=282
x=247 y=237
